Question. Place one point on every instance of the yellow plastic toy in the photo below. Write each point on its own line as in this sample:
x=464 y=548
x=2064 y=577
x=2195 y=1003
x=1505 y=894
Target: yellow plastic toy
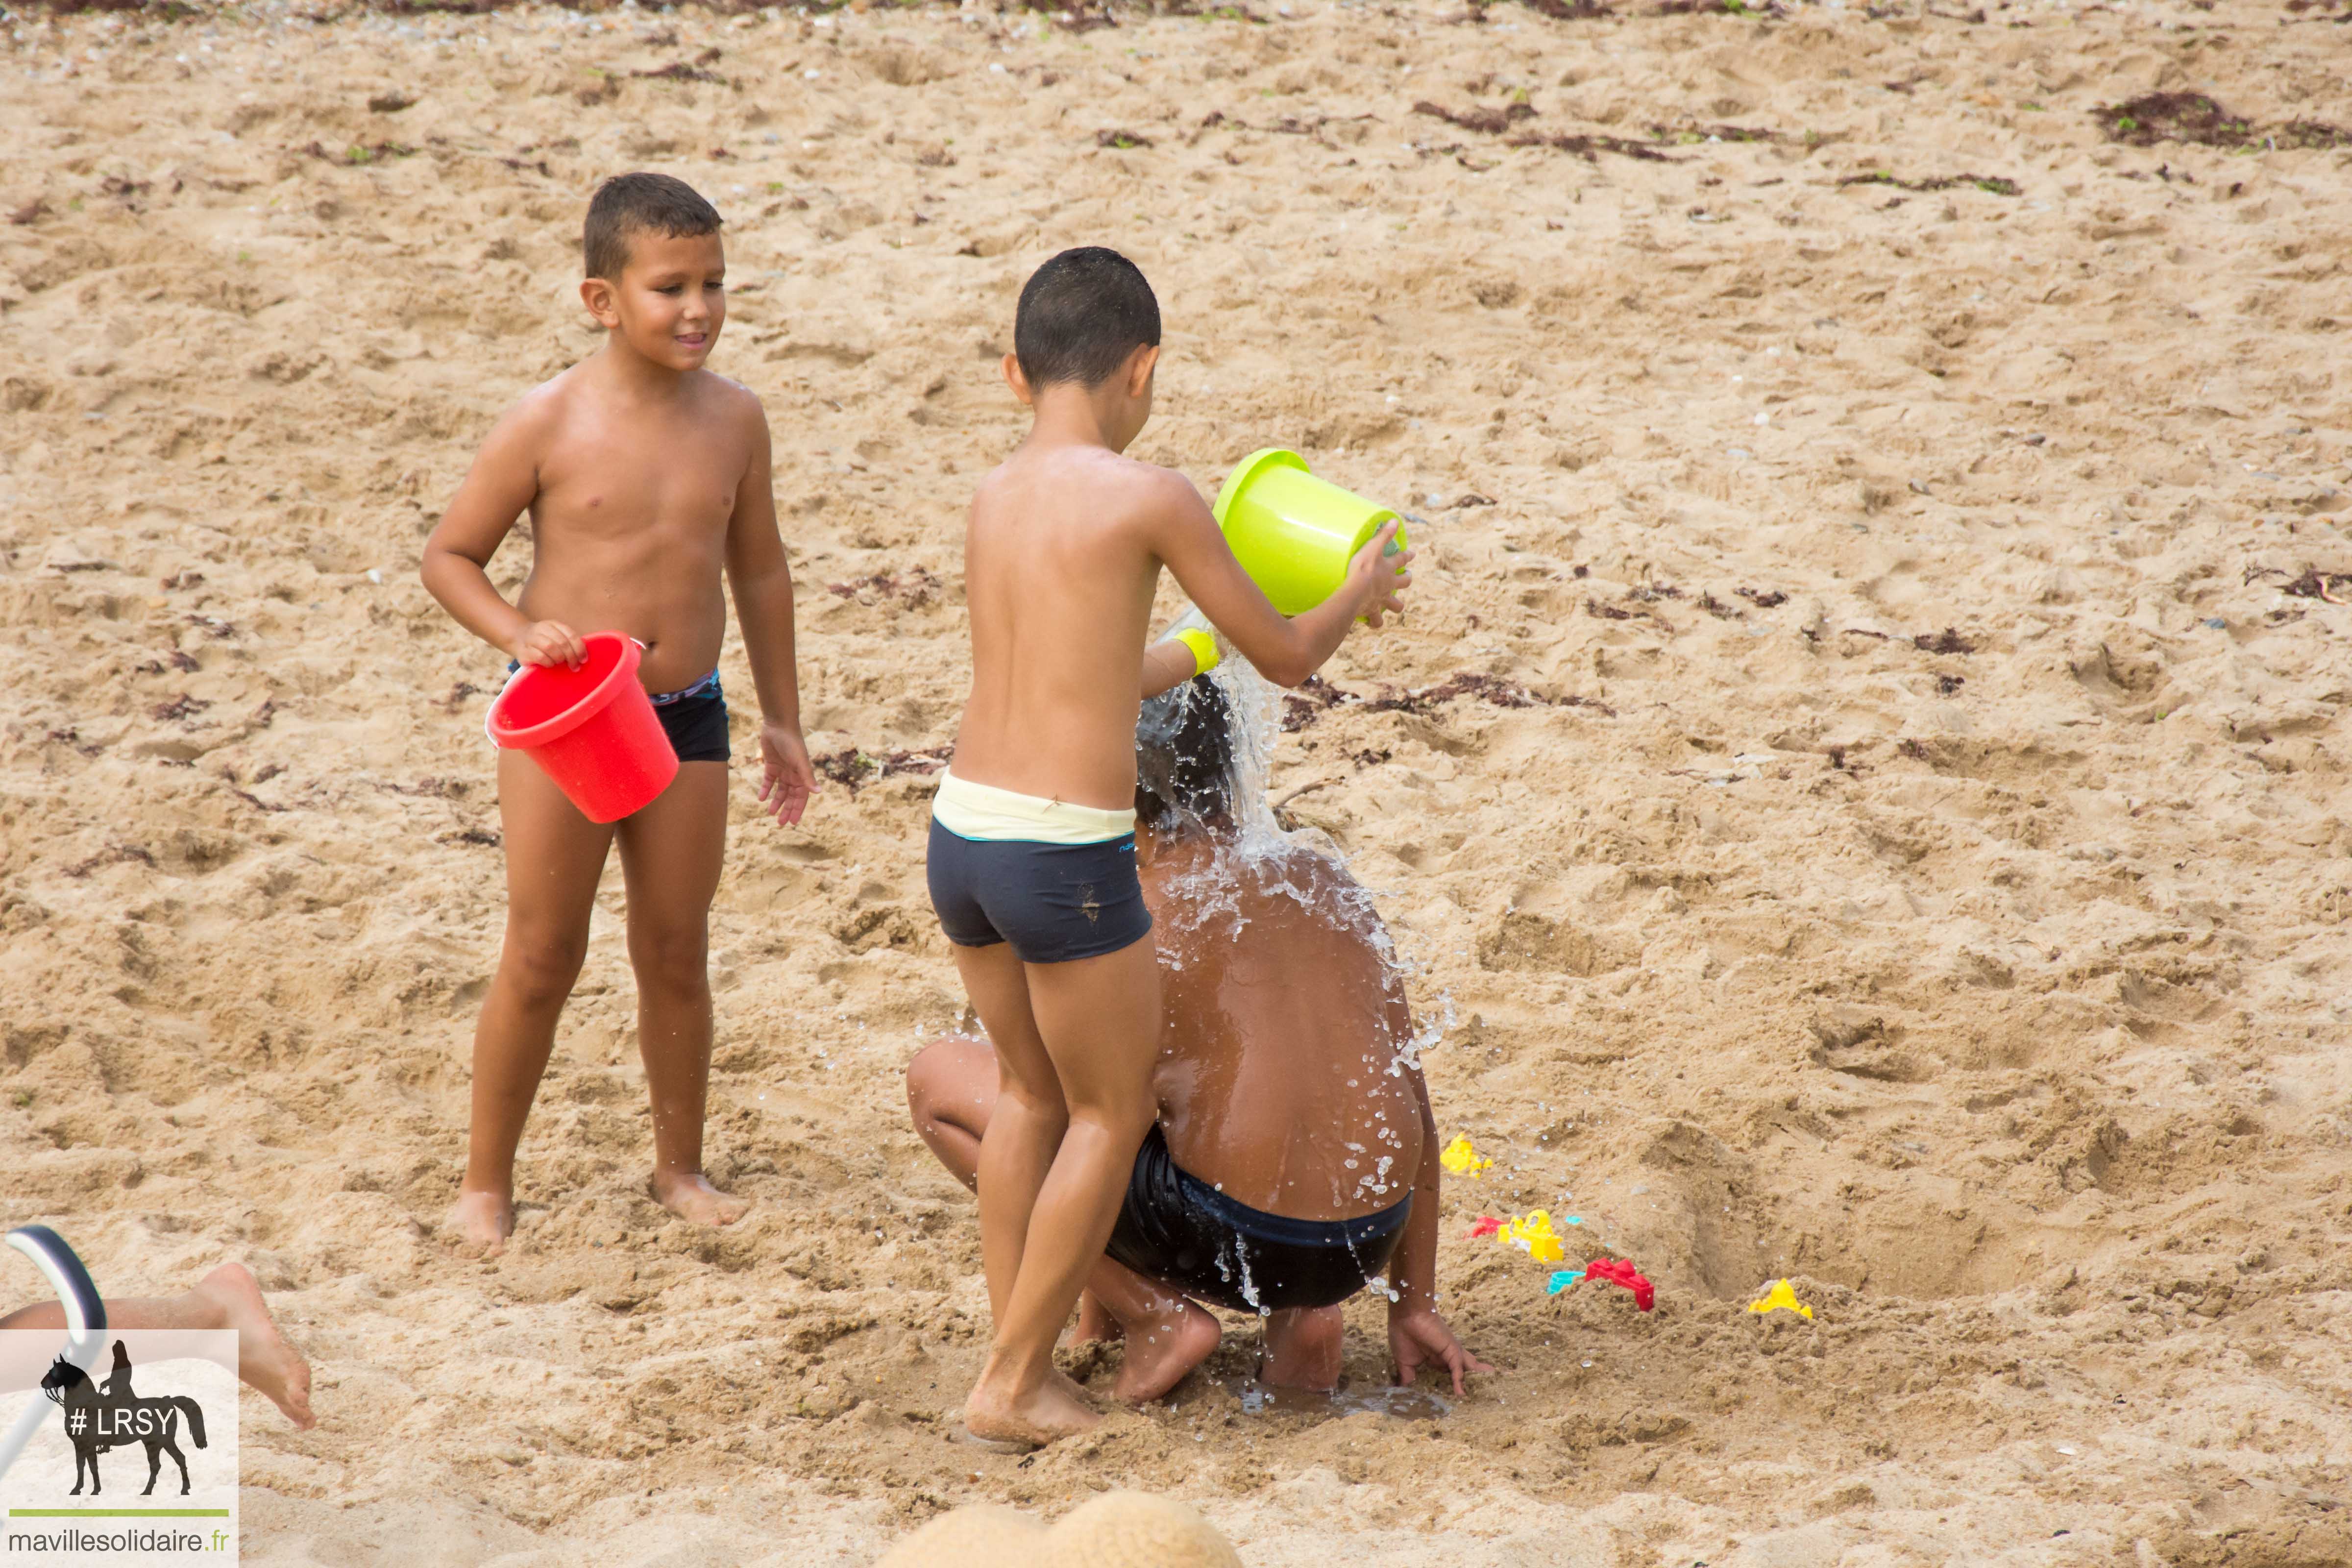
x=1291 y=532
x=1460 y=1159
x=1532 y=1234
x=1779 y=1299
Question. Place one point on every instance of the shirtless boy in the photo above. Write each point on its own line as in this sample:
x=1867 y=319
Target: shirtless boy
x=646 y=479
x=1032 y=854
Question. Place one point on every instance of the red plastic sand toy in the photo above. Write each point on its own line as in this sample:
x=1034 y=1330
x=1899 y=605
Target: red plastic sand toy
x=1487 y=1225
x=1621 y=1271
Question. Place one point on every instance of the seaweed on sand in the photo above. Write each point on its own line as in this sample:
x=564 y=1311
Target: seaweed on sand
x=1992 y=184
x=1493 y=122
x=1588 y=148
x=1317 y=697
x=2318 y=585
x=2155 y=117
x=1763 y=10
x=1692 y=132
x=851 y=767
x=2194 y=117
x=912 y=589
x=679 y=71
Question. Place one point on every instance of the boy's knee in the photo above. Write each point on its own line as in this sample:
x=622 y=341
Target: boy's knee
x=542 y=968
x=1126 y=1117
x=676 y=961
x=923 y=1075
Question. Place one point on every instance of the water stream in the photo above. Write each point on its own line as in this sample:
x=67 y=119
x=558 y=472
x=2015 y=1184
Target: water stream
x=1261 y=855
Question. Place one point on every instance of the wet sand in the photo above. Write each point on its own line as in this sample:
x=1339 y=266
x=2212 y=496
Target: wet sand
x=1865 y=779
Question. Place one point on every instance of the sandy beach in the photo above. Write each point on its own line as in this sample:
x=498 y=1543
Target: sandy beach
x=1862 y=784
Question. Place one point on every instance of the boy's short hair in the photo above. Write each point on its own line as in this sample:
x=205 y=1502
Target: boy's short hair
x=640 y=204
x=1184 y=765
x=1081 y=315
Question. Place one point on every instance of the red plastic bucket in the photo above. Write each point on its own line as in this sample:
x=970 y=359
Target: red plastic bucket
x=592 y=729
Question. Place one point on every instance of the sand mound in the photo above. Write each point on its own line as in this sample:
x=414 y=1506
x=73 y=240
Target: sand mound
x=1863 y=786
x=1117 y=1530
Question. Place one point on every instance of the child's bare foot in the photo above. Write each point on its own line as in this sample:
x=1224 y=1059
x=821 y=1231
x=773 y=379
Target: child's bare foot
x=1053 y=1410
x=1302 y=1349
x=1163 y=1348
x=689 y=1195
x=264 y=1359
x=479 y=1222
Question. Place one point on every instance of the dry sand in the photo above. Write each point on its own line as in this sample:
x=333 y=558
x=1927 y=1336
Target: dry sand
x=1993 y=986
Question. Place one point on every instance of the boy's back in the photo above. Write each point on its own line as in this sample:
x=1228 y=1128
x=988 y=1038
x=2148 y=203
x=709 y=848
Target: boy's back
x=1059 y=574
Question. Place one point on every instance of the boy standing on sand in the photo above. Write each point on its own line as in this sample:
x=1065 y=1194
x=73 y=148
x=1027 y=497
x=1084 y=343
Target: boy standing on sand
x=646 y=479
x=1031 y=857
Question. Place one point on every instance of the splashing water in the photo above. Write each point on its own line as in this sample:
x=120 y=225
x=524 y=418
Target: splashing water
x=1259 y=854
x=1271 y=858
x=1404 y=1404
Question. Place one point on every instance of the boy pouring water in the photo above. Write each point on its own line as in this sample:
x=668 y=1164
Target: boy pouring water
x=1032 y=854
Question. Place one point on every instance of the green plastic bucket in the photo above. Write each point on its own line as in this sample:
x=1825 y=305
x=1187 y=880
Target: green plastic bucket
x=1291 y=532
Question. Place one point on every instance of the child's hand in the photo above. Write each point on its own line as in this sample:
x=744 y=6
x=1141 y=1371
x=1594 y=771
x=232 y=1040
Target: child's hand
x=788 y=777
x=547 y=643
x=1378 y=579
x=1419 y=1338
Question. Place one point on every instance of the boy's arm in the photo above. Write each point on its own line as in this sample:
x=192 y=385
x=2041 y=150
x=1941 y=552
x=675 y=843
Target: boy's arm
x=1171 y=661
x=503 y=481
x=1418 y=1337
x=1286 y=651
x=762 y=581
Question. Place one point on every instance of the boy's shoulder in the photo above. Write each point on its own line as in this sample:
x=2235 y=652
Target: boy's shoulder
x=542 y=409
x=1106 y=477
x=728 y=399
x=580 y=388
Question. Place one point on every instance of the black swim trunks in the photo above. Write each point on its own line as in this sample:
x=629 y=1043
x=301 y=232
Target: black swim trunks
x=1178 y=1230
x=1054 y=902
x=695 y=720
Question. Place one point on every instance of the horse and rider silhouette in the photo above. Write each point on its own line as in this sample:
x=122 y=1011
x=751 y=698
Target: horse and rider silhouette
x=114 y=1417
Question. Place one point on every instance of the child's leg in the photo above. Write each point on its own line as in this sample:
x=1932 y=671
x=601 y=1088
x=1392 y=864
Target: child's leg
x=1302 y=1348
x=670 y=853
x=1025 y=1125
x=554 y=857
x=1096 y=1032
x=952 y=1088
x=227 y=1297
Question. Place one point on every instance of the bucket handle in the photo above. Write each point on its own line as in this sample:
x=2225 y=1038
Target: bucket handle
x=516 y=674
x=85 y=1322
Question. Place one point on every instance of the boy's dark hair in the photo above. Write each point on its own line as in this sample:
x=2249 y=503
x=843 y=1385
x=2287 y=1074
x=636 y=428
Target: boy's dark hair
x=1184 y=758
x=640 y=204
x=1081 y=315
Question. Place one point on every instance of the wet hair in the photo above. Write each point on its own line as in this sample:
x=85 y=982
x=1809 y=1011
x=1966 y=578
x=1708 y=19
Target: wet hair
x=1184 y=758
x=629 y=205
x=1080 y=316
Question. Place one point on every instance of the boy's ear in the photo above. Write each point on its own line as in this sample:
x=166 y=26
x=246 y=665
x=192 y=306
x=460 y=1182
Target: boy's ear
x=598 y=295
x=1018 y=381
x=1139 y=367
